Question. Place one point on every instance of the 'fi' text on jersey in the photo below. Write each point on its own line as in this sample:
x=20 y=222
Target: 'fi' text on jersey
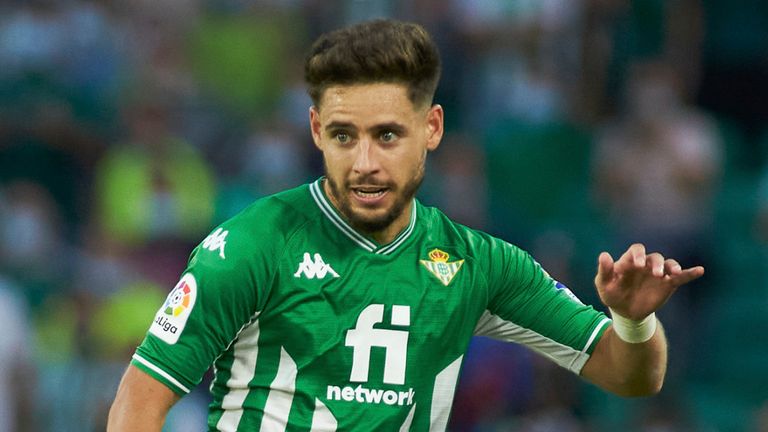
x=362 y=338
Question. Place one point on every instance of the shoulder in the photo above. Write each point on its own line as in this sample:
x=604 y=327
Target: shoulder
x=262 y=228
x=474 y=242
x=280 y=212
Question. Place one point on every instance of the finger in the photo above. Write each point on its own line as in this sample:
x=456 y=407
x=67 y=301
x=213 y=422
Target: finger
x=605 y=266
x=672 y=267
x=633 y=258
x=638 y=255
x=655 y=262
x=687 y=275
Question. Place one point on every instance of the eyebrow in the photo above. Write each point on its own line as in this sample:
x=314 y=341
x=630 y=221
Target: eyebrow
x=339 y=125
x=393 y=126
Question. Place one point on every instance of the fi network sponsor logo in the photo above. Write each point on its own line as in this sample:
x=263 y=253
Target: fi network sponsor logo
x=362 y=339
x=361 y=394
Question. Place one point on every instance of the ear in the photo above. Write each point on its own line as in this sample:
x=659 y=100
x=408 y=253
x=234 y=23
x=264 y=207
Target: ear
x=315 y=126
x=434 y=126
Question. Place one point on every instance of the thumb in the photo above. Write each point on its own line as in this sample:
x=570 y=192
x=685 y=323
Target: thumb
x=604 y=268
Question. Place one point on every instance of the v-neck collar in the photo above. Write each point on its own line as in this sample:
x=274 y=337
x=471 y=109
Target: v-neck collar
x=322 y=201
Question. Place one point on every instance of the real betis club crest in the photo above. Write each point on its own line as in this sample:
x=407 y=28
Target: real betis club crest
x=440 y=267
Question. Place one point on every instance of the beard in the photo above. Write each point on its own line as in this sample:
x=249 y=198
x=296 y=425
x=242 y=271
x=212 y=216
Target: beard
x=373 y=223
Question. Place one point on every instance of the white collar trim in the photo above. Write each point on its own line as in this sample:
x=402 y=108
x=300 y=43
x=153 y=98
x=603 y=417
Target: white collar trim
x=330 y=212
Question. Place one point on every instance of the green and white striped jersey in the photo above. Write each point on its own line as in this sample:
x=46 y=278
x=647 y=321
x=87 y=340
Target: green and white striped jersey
x=310 y=325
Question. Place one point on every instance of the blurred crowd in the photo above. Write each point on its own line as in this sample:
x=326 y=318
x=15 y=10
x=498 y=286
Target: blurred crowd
x=128 y=130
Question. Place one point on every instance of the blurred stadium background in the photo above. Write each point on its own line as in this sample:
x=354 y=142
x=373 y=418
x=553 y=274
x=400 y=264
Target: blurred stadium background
x=128 y=129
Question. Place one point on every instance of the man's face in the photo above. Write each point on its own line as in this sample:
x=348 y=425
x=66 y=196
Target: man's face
x=374 y=143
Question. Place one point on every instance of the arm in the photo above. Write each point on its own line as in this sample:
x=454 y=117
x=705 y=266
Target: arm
x=628 y=369
x=634 y=287
x=141 y=403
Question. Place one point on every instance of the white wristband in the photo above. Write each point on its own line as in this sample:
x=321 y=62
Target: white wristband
x=632 y=331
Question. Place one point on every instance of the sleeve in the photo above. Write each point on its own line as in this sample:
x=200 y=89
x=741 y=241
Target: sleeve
x=527 y=306
x=222 y=289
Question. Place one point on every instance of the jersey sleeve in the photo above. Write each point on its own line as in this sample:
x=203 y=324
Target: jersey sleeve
x=221 y=290
x=527 y=306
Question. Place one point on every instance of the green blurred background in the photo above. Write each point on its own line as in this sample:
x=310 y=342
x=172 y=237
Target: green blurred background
x=128 y=130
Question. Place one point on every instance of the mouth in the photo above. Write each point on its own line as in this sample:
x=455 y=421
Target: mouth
x=369 y=194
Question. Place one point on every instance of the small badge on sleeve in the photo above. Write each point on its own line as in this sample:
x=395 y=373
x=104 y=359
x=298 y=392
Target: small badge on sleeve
x=172 y=317
x=567 y=292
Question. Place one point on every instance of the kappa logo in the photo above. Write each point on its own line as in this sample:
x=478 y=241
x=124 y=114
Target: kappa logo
x=216 y=241
x=439 y=266
x=314 y=269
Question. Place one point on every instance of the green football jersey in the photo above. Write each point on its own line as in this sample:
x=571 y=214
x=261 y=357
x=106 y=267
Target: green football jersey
x=310 y=325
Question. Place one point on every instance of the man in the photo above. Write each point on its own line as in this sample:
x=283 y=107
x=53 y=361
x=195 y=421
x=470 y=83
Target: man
x=347 y=305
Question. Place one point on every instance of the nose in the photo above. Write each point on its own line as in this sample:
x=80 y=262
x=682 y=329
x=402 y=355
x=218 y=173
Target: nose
x=366 y=159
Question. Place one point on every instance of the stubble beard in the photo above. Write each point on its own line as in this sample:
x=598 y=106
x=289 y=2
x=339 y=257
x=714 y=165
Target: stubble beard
x=374 y=224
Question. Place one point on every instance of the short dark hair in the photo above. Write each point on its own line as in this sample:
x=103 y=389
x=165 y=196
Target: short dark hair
x=375 y=51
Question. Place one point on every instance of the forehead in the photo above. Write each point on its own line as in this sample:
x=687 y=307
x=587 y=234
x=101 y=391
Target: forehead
x=367 y=103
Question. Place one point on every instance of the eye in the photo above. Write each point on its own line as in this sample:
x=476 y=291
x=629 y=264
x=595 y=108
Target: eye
x=342 y=137
x=388 y=136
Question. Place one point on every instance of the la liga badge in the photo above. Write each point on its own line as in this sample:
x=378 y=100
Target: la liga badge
x=172 y=316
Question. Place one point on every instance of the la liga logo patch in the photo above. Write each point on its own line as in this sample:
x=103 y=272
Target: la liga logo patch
x=173 y=314
x=179 y=299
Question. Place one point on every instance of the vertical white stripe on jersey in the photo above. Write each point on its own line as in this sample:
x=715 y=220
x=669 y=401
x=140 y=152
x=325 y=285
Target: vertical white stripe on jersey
x=280 y=397
x=408 y=420
x=442 y=395
x=242 y=372
x=323 y=420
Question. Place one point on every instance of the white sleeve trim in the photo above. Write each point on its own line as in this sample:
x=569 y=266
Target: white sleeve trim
x=593 y=336
x=160 y=372
x=570 y=358
x=595 y=332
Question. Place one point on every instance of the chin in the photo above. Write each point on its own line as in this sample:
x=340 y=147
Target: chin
x=378 y=221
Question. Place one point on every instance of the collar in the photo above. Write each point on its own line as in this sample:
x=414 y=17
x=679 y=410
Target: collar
x=322 y=201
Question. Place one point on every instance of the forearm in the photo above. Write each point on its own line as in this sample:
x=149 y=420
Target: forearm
x=641 y=367
x=129 y=416
x=628 y=369
x=141 y=404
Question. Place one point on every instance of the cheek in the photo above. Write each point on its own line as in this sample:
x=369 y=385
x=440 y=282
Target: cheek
x=408 y=163
x=335 y=162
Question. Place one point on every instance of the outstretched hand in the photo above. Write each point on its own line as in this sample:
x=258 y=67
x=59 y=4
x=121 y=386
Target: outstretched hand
x=638 y=284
